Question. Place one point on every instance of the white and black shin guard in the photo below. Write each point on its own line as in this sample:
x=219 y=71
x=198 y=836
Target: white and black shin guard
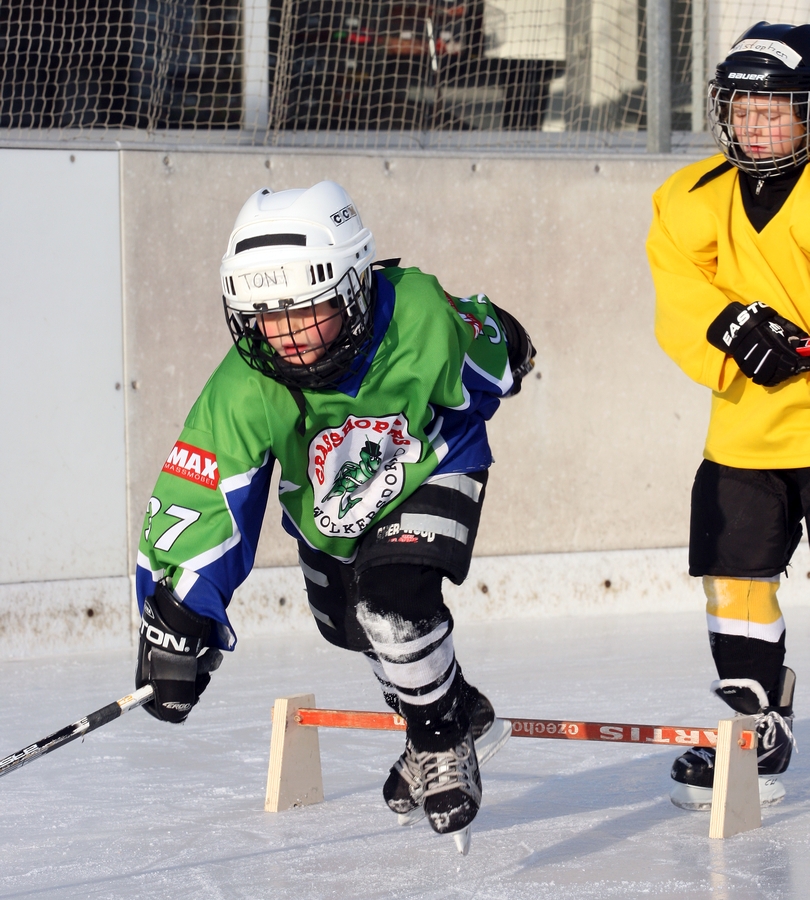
x=410 y=630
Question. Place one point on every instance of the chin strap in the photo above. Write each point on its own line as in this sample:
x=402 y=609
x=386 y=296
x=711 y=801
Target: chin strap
x=301 y=403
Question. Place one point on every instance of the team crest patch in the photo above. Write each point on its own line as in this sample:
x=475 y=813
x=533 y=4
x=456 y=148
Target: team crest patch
x=193 y=464
x=357 y=469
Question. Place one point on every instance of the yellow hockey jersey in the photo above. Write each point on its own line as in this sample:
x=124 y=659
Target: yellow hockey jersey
x=704 y=253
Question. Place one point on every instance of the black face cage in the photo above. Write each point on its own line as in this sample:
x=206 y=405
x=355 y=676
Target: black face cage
x=720 y=102
x=353 y=300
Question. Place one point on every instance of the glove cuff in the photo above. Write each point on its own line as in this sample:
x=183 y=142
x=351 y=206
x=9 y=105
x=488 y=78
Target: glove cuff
x=171 y=626
x=735 y=322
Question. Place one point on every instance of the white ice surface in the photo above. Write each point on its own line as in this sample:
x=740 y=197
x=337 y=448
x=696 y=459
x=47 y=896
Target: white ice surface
x=141 y=809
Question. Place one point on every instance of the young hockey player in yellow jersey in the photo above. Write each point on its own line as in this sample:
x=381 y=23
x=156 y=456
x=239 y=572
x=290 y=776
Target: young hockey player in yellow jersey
x=729 y=250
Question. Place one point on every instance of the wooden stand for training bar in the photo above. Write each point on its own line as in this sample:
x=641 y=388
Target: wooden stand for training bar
x=294 y=777
x=735 y=798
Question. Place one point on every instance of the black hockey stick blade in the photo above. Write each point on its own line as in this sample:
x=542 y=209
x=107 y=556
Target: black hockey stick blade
x=76 y=730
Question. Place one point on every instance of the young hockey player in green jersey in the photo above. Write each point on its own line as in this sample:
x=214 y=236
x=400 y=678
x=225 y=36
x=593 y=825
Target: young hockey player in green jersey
x=729 y=250
x=371 y=390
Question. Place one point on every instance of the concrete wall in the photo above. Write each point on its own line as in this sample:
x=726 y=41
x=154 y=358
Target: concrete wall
x=595 y=455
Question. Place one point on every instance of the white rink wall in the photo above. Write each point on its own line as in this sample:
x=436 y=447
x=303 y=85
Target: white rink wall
x=39 y=618
x=112 y=323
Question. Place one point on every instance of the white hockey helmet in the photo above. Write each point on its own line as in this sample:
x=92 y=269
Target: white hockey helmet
x=293 y=250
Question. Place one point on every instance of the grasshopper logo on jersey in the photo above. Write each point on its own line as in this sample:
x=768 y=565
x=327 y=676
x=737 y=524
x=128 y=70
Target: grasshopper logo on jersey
x=352 y=475
x=357 y=469
x=193 y=464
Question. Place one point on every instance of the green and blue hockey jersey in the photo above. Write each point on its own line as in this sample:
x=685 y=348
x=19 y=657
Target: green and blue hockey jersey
x=415 y=407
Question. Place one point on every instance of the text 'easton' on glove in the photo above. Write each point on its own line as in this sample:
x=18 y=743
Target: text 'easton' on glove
x=762 y=343
x=519 y=347
x=170 y=658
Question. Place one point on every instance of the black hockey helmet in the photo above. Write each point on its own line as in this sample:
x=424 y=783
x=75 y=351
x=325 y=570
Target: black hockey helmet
x=766 y=65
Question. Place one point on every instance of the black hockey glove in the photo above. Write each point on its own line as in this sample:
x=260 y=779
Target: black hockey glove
x=169 y=655
x=762 y=343
x=519 y=347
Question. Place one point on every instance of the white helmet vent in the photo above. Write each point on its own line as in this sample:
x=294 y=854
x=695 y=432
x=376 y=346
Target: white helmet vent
x=320 y=273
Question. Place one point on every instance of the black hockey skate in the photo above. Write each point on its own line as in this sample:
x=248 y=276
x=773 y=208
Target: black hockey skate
x=693 y=772
x=403 y=789
x=451 y=784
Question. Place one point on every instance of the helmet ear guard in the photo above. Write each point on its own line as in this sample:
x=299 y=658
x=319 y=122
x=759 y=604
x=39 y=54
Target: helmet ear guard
x=293 y=251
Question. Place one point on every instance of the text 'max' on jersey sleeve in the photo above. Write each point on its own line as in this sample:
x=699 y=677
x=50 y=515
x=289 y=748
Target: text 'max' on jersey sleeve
x=202 y=527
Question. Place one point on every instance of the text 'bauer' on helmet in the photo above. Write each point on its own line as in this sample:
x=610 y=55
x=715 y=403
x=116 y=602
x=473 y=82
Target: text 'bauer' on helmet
x=293 y=254
x=764 y=80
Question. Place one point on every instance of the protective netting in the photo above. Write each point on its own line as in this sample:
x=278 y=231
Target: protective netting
x=111 y=64
x=507 y=74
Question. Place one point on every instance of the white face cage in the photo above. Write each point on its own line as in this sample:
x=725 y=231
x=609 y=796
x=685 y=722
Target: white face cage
x=763 y=134
x=335 y=344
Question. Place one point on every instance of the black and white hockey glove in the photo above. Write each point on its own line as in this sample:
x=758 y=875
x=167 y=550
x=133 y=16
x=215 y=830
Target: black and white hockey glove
x=519 y=347
x=170 y=656
x=762 y=343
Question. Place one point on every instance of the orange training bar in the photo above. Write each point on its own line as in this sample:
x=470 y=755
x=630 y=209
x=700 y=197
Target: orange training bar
x=347 y=718
x=556 y=729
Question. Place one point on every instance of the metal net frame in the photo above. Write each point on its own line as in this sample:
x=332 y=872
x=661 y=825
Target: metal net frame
x=510 y=75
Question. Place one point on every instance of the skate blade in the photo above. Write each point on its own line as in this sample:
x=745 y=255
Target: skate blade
x=699 y=799
x=463 y=839
x=691 y=797
x=412 y=817
x=492 y=740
